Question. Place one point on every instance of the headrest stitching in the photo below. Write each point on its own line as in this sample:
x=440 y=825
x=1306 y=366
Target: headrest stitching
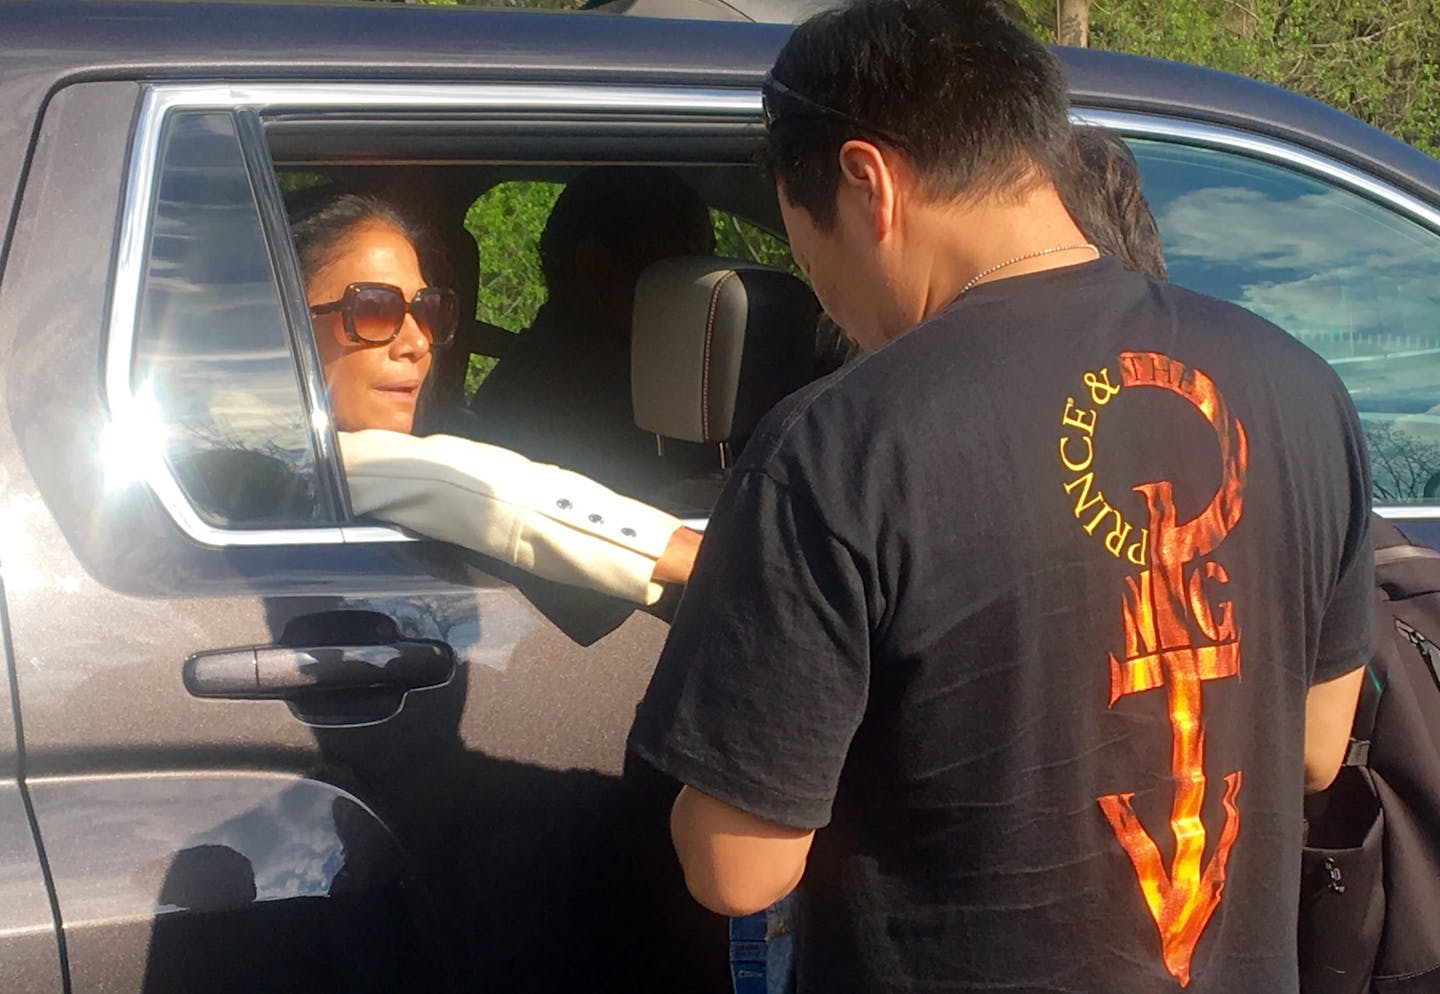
x=705 y=358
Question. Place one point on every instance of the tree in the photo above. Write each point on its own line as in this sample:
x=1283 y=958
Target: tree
x=1376 y=59
x=1072 y=22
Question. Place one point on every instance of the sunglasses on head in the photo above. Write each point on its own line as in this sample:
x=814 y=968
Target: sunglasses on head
x=373 y=313
x=778 y=101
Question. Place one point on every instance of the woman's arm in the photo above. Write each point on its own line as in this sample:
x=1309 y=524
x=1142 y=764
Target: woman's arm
x=546 y=520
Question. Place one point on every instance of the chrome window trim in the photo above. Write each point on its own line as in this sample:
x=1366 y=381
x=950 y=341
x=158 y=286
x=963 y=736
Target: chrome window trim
x=1269 y=149
x=1293 y=157
x=160 y=100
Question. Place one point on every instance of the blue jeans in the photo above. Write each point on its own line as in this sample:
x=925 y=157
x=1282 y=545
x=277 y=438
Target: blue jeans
x=762 y=949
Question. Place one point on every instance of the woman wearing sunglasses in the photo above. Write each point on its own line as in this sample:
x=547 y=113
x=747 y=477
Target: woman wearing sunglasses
x=377 y=322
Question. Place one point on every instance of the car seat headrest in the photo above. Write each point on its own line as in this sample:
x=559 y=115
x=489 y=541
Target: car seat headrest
x=716 y=343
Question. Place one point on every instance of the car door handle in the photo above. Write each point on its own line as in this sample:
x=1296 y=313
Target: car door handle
x=292 y=672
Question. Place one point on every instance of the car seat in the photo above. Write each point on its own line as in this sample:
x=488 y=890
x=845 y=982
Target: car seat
x=715 y=344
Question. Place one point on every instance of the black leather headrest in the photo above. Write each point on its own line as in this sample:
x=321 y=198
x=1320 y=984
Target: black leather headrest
x=716 y=343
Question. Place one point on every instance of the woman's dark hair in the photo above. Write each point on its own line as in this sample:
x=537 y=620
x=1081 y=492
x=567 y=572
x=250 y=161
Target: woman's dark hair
x=967 y=95
x=1104 y=197
x=321 y=218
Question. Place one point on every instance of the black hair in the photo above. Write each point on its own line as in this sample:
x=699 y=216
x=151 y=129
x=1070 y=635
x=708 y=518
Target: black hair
x=974 y=102
x=1104 y=197
x=629 y=210
x=322 y=217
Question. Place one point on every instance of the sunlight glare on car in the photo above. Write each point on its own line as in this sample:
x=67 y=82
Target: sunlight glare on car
x=132 y=443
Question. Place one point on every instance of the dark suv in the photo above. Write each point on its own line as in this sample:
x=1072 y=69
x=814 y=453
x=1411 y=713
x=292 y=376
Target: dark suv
x=304 y=752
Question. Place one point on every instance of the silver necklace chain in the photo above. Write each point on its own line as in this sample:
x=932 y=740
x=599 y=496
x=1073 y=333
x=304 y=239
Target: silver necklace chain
x=1021 y=258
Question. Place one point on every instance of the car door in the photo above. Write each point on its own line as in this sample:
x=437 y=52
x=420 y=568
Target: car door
x=188 y=849
x=29 y=939
x=1341 y=259
x=269 y=746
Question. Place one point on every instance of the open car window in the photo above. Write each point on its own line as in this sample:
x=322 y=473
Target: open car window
x=222 y=360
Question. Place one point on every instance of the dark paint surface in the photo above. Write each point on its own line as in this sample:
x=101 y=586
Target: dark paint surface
x=229 y=882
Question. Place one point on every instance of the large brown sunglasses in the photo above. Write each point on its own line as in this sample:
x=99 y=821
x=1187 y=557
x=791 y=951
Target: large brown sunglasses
x=373 y=313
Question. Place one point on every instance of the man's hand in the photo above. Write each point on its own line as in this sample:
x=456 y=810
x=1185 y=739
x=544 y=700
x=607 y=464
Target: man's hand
x=678 y=559
x=735 y=863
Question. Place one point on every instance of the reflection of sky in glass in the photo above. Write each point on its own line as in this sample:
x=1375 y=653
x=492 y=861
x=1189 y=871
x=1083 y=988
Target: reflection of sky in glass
x=212 y=342
x=129 y=830
x=1352 y=280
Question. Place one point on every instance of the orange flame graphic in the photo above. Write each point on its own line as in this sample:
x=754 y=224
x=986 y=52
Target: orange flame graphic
x=1173 y=637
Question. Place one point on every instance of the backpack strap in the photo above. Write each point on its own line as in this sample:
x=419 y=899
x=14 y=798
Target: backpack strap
x=1365 y=709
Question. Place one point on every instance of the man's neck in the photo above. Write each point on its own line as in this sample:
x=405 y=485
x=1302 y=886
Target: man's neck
x=972 y=244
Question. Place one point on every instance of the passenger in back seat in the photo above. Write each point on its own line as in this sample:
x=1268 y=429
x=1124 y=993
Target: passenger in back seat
x=564 y=396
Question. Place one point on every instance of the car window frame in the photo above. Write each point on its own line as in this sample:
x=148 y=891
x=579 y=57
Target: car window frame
x=1305 y=161
x=247 y=102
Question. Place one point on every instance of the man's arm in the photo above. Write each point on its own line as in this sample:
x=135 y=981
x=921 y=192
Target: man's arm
x=735 y=863
x=757 y=696
x=1329 y=715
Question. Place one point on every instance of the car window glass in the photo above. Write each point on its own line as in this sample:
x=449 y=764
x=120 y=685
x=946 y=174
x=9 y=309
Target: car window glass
x=212 y=354
x=1351 y=279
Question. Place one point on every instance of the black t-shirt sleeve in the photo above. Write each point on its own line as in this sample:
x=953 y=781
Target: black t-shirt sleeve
x=764 y=678
x=1345 y=631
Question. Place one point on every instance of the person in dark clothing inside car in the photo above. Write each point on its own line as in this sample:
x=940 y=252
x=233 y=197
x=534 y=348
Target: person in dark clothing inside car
x=564 y=395
x=963 y=646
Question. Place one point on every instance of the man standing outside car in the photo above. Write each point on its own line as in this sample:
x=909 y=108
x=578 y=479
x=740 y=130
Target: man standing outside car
x=1046 y=610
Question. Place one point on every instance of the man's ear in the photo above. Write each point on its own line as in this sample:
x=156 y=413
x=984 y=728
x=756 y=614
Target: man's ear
x=866 y=174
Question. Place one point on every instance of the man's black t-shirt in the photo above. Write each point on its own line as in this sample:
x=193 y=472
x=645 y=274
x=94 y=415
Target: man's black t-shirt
x=1024 y=608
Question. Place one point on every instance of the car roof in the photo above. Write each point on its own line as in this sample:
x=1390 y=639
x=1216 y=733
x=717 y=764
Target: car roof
x=50 y=42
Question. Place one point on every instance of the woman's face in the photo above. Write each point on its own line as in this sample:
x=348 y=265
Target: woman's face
x=370 y=386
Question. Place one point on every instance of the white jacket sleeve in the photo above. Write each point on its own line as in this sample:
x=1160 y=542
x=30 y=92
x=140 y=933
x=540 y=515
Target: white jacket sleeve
x=546 y=520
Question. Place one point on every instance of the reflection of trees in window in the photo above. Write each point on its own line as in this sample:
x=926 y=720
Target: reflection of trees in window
x=232 y=482
x=1403 y=467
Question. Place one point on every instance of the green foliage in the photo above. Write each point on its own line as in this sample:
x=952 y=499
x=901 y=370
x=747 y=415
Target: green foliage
x=506 y=223
x=740 y=239
x=1376 y=59
x=290 y=182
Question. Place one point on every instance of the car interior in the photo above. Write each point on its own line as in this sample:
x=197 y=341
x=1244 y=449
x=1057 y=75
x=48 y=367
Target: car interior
x=716 y=340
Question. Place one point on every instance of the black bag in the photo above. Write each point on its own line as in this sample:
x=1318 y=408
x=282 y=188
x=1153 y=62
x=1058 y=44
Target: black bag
x=1370 y=885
